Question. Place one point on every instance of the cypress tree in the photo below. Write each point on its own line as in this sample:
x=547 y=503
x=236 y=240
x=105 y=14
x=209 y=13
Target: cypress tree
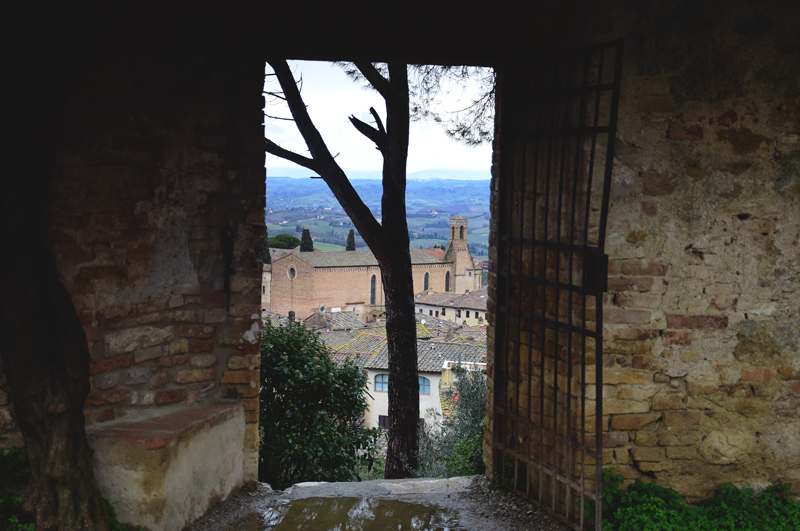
x=265 y=257
x=306 y=243
x=351 y=240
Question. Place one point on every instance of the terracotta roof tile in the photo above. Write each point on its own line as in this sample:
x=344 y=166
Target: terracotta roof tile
x=358 y=258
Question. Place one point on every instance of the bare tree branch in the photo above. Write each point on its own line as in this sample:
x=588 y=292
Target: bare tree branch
x=274 y=149
x=381 y=84
x=379 y=137
x=324 y=163
x=377 y=117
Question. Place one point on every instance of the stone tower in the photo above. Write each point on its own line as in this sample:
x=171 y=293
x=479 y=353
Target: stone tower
x=465 y=276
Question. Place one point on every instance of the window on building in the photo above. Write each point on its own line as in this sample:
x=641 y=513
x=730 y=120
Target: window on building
x=461 y=233
x=372 y=290
x=447 y=281
x=425 y=283
x=458 y=313
x=263 y=290
x=383 y=421
x=292 y=272
x=430 y=312
x=382 y=382
x=467 y=314
x=424 y=385
x=443 y=314
x=437 y=313
x=421 y=310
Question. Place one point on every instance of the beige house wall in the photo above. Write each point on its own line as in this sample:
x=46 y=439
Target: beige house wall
x=430 y=405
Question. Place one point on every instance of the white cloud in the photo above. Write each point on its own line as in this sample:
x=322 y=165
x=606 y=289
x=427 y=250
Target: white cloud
x=331 y=97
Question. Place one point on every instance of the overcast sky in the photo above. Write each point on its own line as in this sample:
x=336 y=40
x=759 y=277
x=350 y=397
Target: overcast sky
x=331 y=97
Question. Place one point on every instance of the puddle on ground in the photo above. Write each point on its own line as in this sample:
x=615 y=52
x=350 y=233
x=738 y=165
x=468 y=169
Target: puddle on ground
x=349 y=514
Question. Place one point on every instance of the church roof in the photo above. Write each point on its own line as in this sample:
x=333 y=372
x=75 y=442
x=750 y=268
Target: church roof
x=359 y=258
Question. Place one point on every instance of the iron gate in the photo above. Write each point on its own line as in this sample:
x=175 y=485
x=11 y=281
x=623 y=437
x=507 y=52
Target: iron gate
x=557 y=122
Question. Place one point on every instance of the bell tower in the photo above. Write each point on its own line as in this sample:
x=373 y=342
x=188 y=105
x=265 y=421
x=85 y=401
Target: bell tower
x=465 y=276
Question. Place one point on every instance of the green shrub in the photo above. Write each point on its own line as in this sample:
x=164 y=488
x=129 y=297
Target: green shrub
x=455 y=447
x=311 y=411
x=650 y=507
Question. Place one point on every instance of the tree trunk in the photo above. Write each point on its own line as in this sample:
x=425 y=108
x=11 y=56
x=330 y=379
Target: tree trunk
x=43 y=350
x=46 y=362
x=401 y=456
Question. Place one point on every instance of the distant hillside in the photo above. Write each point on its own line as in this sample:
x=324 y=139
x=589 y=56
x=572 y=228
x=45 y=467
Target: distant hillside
x=297 y=204
x=450 y=195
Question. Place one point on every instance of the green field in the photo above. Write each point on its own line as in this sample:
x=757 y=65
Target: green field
x=328 y=247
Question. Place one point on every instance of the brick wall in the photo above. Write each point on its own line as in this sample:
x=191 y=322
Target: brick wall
x=155 y=217
x=701 y=327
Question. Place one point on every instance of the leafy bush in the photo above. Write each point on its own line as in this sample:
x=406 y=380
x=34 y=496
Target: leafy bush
x=455 y=447
x=650 y=507
x=311 y=411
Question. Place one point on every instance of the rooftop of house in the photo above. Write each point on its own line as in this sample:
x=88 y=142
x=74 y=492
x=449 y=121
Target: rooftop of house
x=430 y=356
x=472 y=301
x=334 y=321
x=356 y=258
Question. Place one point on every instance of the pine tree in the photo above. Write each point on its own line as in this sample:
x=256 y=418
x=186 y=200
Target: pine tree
x=351 y=240
x=265 y=257
x=306 y=243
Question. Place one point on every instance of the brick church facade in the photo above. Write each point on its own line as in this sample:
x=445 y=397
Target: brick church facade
x=351 y=280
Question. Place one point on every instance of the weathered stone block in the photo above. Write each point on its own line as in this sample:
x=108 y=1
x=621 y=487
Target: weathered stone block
x=681 y=452
x=136 y=376
x=647 y=454
x=646 y=438
x=171 y=396
x=112 y=396
x=636 y=334
x=240 y=377
x=98 y=366
x=681 y=418
x=248 y=362
x=667 y=401
x=215 y=315
x=195 y=375
x=758 y=374
x=617 y=407
x=202 y=345
x=147 y=354
x=201 y=332
x=712 y=322
x=158 y=381
x=630 y=283
x=133 y=339
x=171 y=361
x=179 y=346
x=203 y=360
x=107 y=381
x=626 y=376
x=677 y=337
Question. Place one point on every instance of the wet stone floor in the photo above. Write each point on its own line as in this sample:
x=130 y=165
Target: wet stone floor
x=350 y=514
x=454 y=504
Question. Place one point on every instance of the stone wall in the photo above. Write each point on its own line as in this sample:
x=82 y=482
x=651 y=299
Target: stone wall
x=702 y=315
x=703 y=312
x=155 y=217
